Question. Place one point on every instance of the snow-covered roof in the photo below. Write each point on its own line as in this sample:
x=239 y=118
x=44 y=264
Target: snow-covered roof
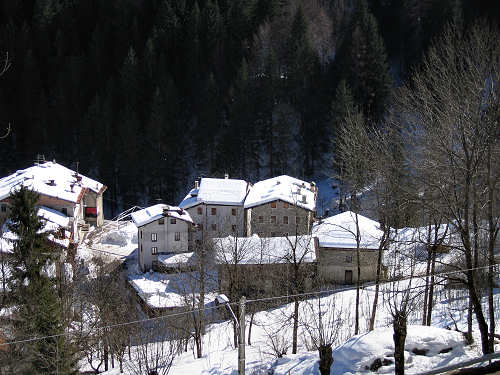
x=339 y=231
x=285 y=188
x=150 y=214
x=176 y=259
x=220 y=191
x=53 y=222
x=50 y=179
x=264 y=250
x=53 y=216
x=161 y=290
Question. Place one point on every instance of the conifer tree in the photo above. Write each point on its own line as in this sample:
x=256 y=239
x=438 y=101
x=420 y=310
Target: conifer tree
x=34 y=292
x=363 y=63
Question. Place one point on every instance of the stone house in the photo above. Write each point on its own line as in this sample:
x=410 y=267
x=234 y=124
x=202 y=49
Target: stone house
x=280 y=206
x=336 y=248
x=216 y=207
x=259 y=266
x=75 y=196
x=161 y=230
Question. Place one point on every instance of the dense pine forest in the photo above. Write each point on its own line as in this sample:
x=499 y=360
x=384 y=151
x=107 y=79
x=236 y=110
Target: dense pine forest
x=146 y=95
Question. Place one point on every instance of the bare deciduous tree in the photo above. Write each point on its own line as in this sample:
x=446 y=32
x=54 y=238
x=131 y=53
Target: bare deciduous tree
x=323 y=321
x=448 y=112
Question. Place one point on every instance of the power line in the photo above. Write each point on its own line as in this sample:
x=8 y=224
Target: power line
x=235 y=303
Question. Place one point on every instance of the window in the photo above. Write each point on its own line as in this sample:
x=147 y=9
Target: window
x=4 y=208
x=273 y=219
x=297 y=220
x=173 y=221
x=141 y=234
x=261 y=219
x=233 y=228
x=154 y=250
x=141 y=248
x=214 y=227
x=285 y=204
x=200 y=211
x=214 y=211
x=233 y=211
x=177 y=236
x=154 y=237
x=348 y=259
x=285 y=219
x=273 y=204
x=161 y=221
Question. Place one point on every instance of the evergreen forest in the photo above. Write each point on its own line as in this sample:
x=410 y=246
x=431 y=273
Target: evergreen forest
x=147 y=95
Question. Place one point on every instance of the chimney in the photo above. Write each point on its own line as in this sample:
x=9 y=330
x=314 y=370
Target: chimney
x=327 y=212
x=72 y=186
x=226 y=176
x=278 y=182
x=51 y=183
x=304 y=198
x=165 y=211
x=196 y=184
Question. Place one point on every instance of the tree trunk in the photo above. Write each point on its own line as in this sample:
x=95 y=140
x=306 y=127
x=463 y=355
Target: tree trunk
x=295 y=324
x=250 y=328
x=481 y=321
x=325 y=359
x=431 y=285
x=399 y=326
x=358 y=281
x=491 y=252
x=106 y=359
x=377 y=282
x=427 y=270
x=468 y=335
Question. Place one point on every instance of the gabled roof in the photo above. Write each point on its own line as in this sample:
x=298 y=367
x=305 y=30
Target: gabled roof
x=339 y=231
x=219 y=191
x=260 y=250
x=150 y=214
x=52 y=179
x=285 y=188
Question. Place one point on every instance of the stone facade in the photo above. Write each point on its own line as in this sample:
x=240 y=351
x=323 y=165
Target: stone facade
x=278 y=218
x=165 y=235
x=338 y=265
x=215 y=221
x=273 y=278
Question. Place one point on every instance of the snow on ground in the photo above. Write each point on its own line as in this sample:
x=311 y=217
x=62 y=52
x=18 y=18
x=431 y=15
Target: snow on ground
x=112 y=241
x=351 y=353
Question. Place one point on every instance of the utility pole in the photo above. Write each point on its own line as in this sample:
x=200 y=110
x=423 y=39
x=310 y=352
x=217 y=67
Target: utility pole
x=240 y=324
x=241 y=338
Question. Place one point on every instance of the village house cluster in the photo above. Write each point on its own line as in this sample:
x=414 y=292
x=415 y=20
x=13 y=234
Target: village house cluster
x=258 y=228
x=69 y=203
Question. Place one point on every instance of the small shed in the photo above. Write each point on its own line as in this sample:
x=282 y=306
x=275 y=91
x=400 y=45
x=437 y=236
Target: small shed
x=336 y=247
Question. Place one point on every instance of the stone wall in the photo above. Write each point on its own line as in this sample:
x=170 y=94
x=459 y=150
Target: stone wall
x=270 y=279
x=334 y=262
x=224 y=221
x=278 y=218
